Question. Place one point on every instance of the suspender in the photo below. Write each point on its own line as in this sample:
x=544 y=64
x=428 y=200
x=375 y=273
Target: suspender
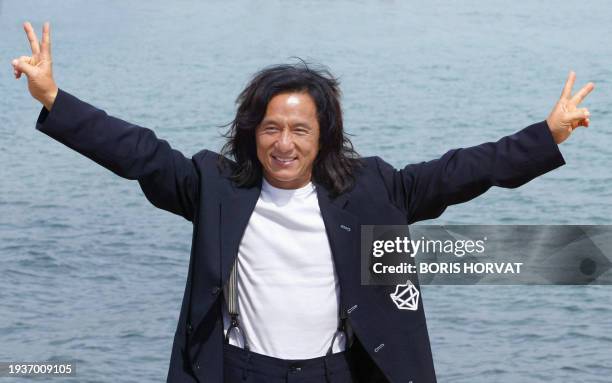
x=232 y=306
x=342 y=328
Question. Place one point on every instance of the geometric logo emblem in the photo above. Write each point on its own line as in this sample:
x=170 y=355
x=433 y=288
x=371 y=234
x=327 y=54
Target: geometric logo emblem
x=406 y=296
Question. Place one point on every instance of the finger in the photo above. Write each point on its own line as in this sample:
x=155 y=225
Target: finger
x=31 y=38
x=585 y=122
x=26 y=59
x=22 y=64
x=16 y=72
x=578 y=115
x=46 y=40
x=582 y=93
x=569 y=84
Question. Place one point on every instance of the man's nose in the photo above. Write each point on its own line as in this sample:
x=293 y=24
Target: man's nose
x=285 y=142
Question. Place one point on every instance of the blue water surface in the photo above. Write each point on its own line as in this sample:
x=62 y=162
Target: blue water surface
x=90 y=271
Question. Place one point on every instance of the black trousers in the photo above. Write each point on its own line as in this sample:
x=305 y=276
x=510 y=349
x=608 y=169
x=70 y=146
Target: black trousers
x=242 y=366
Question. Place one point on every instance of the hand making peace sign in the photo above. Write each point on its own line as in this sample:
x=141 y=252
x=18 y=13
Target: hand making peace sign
x=38 y=66
x=566 y=116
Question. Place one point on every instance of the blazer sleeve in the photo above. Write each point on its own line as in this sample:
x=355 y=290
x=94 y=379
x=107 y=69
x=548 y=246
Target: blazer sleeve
x=168 y=179
x=425 y=190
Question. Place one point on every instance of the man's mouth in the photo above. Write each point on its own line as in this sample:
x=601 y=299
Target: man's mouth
x=284 y=160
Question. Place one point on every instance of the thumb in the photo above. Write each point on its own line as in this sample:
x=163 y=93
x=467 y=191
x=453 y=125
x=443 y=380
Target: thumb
x=577 y=115
x=22 y=64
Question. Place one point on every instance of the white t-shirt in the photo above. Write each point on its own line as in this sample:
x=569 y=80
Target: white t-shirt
x=288 y=291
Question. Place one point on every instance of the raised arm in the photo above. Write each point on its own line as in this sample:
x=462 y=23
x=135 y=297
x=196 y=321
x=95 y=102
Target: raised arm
x=168 y=179
x=425 y=190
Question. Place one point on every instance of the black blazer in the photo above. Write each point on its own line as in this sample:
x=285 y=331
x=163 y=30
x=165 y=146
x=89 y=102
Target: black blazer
x=389 y=342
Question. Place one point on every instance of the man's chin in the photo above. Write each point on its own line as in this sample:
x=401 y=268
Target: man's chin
x=283 y=182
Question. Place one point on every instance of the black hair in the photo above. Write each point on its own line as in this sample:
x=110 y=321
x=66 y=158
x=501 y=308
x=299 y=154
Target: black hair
x=336 y=160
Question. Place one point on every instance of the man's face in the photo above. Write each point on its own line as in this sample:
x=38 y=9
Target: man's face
x=288 y=140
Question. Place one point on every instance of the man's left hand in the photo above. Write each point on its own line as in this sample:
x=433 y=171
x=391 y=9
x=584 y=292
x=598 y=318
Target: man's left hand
x=566 y=116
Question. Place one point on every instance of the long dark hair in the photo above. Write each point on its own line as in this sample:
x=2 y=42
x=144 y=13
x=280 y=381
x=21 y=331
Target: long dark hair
x=336 y=160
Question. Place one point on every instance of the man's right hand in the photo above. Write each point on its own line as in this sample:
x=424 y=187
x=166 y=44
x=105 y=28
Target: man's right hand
x=38 y=67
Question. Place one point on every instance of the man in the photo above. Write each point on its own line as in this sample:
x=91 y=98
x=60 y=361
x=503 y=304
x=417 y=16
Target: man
x=273 y=290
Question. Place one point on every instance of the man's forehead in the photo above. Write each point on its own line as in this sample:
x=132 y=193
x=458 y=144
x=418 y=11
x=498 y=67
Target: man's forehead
x=291 y=105
x=293 y=100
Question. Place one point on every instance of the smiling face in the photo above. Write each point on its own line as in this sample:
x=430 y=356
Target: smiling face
x=287 y=140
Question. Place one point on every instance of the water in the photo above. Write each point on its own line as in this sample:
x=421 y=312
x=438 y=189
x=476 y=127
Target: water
x=90 y=271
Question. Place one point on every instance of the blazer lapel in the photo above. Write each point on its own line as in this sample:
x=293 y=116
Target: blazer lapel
x=343 y=231
x=236 y=209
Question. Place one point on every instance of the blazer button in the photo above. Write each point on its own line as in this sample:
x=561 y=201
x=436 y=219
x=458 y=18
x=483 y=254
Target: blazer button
x=295 y=367
x=189 y=328
x=196 y=365
x=215 y=290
